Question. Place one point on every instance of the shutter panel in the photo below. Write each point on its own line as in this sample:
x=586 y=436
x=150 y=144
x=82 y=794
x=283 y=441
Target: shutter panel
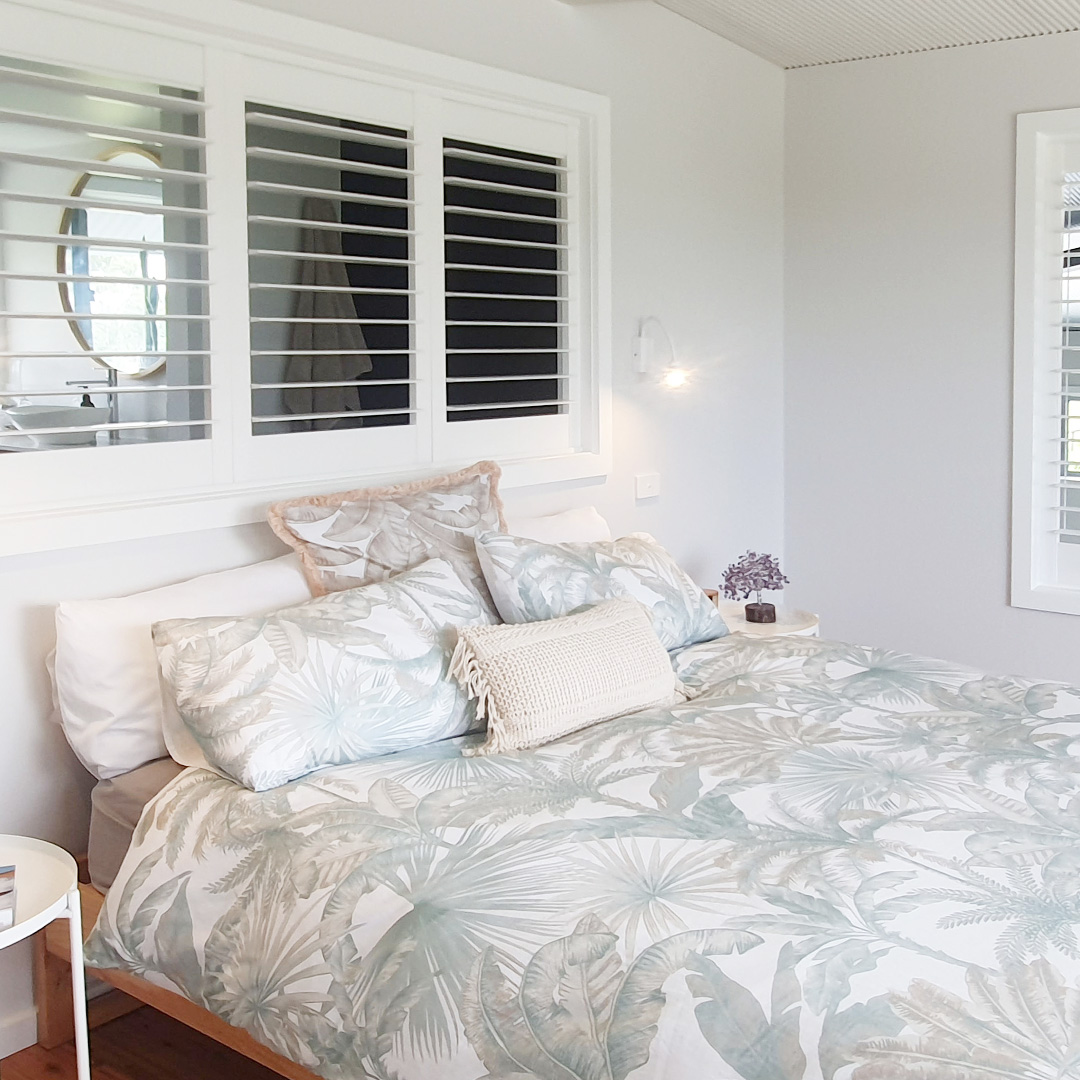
x=1068 y=448
x=330 y=272
x=506 y=283
x=103 y=283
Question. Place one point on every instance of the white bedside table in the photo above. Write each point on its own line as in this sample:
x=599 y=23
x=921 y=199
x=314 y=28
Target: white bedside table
x=47 y=888
x=793 y=623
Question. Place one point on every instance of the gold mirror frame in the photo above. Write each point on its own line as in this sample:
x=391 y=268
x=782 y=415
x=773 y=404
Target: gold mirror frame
x=62 y=267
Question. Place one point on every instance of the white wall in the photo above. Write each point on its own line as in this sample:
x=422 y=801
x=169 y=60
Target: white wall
x=697 y=128
x=898 y=335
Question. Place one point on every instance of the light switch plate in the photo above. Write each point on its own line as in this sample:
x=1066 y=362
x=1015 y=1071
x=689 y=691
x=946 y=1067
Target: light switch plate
x=647 y=485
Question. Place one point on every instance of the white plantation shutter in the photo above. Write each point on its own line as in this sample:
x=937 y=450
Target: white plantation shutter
x=515 y=326
x=1046 y=418
x=322 y=277
x=106 y=278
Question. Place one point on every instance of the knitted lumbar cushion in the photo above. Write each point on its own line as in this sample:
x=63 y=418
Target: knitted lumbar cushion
x=538 y=681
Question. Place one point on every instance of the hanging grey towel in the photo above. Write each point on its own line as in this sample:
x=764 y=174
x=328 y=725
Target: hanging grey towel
x=342 y=344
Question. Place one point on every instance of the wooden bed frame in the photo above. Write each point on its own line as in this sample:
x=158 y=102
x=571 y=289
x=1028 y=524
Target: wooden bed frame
x=52 y=991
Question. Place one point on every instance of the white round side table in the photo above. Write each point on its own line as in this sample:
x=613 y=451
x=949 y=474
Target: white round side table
x=47 y=888
x=793 y=623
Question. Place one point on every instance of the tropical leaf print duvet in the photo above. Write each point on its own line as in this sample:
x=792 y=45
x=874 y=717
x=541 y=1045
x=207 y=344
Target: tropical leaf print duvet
x=832 y=863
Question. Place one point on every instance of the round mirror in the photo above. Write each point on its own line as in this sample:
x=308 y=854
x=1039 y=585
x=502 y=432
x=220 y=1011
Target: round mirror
x=120 y=251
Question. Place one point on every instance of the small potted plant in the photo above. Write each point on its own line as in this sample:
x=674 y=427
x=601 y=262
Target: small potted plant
x=754 y=573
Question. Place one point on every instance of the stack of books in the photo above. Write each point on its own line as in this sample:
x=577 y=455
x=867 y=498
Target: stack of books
x=7 y=897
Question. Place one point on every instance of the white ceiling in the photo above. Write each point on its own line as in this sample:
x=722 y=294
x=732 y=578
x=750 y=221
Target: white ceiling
x=801 y=33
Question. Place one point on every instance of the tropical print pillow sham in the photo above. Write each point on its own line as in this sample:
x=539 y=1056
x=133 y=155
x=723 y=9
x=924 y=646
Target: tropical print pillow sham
x=353 y=538
x=347 y=676
x=531 y=581
x=835 y=863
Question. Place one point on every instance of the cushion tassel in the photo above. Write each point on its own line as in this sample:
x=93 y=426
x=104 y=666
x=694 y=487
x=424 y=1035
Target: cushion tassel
x=466 y=669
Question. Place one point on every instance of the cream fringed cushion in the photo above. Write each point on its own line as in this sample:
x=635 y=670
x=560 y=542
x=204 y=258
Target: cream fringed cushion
x=538 y=681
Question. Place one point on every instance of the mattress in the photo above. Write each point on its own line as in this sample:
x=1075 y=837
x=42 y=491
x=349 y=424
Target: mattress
x=115 y=808
x=833 y=863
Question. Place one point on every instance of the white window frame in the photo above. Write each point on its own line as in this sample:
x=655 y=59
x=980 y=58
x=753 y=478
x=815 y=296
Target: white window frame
x=91 y=495
x=1045 y=573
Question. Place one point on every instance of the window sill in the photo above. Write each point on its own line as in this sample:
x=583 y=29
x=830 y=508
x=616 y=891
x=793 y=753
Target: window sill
x=1056 y=598
x=108 y=521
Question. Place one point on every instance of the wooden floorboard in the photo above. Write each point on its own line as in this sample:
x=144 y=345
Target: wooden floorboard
x=144 y=1045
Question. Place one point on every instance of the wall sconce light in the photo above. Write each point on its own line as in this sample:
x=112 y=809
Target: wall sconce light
x=654 y=354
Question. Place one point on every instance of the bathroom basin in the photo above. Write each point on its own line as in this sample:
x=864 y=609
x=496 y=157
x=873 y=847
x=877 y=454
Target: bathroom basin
x=28 y=418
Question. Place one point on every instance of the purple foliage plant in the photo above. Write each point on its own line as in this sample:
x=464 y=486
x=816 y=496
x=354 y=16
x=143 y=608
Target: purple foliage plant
x=752 y=573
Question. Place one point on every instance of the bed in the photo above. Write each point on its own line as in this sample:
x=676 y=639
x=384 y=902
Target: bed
x=832 y=862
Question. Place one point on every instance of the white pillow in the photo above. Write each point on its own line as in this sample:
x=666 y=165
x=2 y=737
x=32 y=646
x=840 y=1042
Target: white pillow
x=581 y=526
x=107 y=683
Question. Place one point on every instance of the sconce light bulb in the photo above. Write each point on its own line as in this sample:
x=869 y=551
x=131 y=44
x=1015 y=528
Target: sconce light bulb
x=674 y=378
